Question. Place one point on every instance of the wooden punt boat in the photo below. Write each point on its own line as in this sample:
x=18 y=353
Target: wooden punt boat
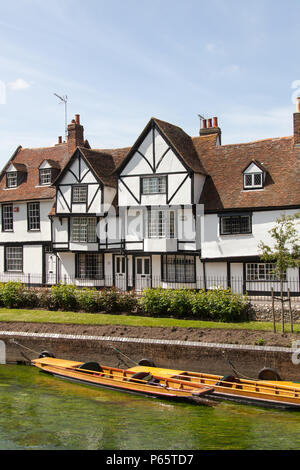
x=140 y=382
x=274 y=394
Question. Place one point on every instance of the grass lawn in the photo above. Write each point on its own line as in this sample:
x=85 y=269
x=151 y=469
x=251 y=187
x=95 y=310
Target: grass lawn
x=43 y=316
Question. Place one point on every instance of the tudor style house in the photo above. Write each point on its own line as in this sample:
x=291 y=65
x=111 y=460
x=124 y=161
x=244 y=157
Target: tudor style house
x=170 y=211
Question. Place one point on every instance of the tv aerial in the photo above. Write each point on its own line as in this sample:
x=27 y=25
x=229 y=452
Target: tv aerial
x=64 y=99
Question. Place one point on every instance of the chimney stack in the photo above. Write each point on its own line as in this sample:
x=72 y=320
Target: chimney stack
x=297 y=123
x=210 y=126
x=75 y=135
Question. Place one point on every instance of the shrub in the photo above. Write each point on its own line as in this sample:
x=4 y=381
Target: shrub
x=89 y=300
x=12 y=294
x=109 y=300
x=127 y=302
x=64 y=297
x=216 y=305
x=156 y=302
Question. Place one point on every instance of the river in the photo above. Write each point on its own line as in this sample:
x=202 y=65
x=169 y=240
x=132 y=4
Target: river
x=38 y=411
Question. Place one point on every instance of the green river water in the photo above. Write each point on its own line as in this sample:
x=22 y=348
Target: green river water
x=38 y=411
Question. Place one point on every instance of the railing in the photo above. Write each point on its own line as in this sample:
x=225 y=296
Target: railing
x=257 y=290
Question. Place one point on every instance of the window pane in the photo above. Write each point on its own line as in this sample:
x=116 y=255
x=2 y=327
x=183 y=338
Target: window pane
x=146 y=266
x=33 y=209
x=235 y=225
x=154 y=185
x=84 y=229
x=7 y=217
x=257 y=180
x=90 y=266
x=14 y=258
x=139 y=266
x=178 y=268
x=45 y=176
x=79 y=194
x=161 y=223
x=262 y=272
x=11 y=179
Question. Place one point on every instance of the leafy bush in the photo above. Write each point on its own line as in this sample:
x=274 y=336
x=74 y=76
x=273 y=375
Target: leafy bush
x=64 y=297
x=156 y=302
x=12 y=294
x=127 y=302
x=89 y=300
x=215 y=305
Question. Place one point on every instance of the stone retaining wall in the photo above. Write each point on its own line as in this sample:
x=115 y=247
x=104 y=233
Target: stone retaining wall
x=186 y=355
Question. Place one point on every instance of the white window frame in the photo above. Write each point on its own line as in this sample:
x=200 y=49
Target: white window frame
x=161 y=223
x=45 y=176
x=256 y=272
x=154 y=185
x=253 y=185
x=83 y=230
x=79 y=194
x=7 y=218
x=14 y=256
x=12 y=179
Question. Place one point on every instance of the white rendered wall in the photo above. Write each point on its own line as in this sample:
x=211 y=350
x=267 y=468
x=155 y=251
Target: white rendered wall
x=20 y=232
x=215 y=245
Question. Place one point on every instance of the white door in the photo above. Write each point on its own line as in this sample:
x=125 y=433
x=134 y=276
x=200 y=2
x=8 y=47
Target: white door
x=50 y=268
x=143 y=273
x=120 y=272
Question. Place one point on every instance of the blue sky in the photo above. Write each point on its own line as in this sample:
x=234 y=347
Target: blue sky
x=121 y=62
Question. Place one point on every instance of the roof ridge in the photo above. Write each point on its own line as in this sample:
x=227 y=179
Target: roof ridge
x=267 y=139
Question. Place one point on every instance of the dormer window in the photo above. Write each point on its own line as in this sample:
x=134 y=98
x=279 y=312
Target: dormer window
x=254 y=176
x=254 y=180
x=15 y=174
x=11 y=179
x=45 y=176
x=48 y=171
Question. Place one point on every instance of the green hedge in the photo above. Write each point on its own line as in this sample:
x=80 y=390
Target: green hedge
x=68 y=298
x=216 y=305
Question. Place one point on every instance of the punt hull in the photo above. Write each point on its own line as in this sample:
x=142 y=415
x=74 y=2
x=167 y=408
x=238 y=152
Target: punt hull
x=279 y=395
x=124 y=381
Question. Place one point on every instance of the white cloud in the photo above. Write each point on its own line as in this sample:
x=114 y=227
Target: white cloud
x=19 y=84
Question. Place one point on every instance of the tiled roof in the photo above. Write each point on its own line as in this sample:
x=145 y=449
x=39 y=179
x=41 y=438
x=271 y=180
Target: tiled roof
x=223 y=188
x=105 y=162
x=31 y=159
x=183 y=143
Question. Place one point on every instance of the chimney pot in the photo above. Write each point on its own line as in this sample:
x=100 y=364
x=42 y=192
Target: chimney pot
x=60 y=139
x=77 y=118
x=209 y=123
x=204 y=124
x=215 y=122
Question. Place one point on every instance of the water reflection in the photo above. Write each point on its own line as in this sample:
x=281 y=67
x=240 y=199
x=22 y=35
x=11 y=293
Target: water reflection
x=38 y=411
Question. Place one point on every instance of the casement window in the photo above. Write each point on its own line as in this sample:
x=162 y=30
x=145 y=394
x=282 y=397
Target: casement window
x=235 y=224
x=79 y=194
x=7 y=218
x=178 y=268
x=14 y=258
x=89 y=266
x=11 y=179
x=33 y=215
x=45 y=176
x=253 y=180
x=83 y=230
x=261 y=272
x=161 y=223
x=154 y=185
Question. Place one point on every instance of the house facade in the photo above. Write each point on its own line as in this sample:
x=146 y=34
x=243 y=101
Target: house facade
x=170 y=211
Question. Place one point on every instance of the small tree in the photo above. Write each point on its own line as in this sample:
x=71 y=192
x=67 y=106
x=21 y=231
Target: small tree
x=285 y=252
